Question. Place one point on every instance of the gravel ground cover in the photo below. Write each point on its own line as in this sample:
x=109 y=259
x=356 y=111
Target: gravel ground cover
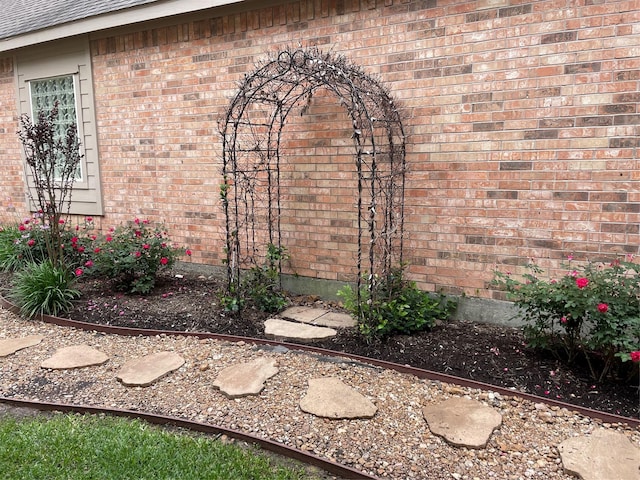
x=395 y=444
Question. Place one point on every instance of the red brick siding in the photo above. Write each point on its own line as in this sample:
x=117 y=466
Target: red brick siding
x=522 y=129
x=12 y=184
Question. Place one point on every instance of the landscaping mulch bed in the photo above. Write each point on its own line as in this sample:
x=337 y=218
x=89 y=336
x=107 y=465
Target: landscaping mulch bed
x=493 y=354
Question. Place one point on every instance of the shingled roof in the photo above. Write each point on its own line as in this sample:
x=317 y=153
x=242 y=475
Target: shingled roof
x=29 y=22
x=26 y=16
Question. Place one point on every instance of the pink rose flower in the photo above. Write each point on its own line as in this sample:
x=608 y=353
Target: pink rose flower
x=79 y=272
x=164 y=260
x=88 y=264
x=635 y=356
x=31 y=242
x=582 y=282
x=603 y=307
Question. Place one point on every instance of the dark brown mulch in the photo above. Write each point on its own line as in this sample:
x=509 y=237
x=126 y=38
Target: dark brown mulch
x=492 y=354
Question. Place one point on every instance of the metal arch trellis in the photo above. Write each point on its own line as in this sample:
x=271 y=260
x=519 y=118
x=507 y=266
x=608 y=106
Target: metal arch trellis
x=252 y=133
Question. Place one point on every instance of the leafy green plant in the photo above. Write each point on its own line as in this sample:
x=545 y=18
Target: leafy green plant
x=132 y=256
x=262 y=283
x=593 y=310
x=395 y=305
x=43 y=288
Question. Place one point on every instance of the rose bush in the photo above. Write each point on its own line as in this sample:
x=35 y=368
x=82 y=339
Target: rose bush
x=131 y=256
x=593 y=310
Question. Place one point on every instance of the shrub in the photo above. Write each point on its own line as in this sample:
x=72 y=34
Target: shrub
x=395 y=305
x=43 y=288
x=592 y=311
x=27 y=243
x=17 y=249
x=132 y=256
x=261 y=284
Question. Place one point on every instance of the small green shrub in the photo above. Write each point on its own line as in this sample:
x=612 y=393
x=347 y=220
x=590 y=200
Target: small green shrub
x=262 y=283
x=592 y=311
x=395 y=305
x=43 y=288
x=132 y=256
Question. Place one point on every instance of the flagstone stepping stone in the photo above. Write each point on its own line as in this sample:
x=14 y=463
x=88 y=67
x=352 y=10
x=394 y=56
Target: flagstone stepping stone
x=77 y=356
x=318 y=316
x=284 y=330
x=9 y=346
x=245 y=379
x=462 y=422
x=602 y=455
x=142 y=372
x=329 y=397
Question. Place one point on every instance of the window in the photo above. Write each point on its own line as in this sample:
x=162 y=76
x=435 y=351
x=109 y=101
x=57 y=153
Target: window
x=44 y=95
x=61 y=71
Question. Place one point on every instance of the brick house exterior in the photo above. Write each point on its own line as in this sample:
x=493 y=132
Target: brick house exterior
x=522 y=123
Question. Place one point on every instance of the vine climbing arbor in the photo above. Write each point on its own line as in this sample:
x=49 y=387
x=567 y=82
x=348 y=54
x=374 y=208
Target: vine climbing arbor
x=253 y=133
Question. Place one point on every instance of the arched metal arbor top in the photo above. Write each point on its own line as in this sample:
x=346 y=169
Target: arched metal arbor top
x=252 y=133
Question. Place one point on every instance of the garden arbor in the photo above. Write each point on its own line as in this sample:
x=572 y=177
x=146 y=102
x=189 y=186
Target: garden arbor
x=252 y=132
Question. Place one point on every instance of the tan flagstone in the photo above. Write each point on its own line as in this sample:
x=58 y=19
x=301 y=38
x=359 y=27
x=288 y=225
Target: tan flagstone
x=602 y=455
x=462 y=422
x=285 y=330
x=245 y=378
x=329 y=397
x=143 y=371
x=319 y=317
x=76 y=356
x=9 y=346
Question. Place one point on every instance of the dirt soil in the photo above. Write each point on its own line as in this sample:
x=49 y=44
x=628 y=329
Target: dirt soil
x=496 y=355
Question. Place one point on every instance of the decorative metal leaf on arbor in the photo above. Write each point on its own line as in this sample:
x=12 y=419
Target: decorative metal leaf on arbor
x=252 y=132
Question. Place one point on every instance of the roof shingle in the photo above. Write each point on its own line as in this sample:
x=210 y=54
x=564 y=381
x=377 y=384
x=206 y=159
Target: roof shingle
x=25 y=16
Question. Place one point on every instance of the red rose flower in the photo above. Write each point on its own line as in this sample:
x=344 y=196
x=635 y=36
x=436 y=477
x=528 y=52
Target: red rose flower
x=31 y=242
x=79 y=272
x=164 y=260
x=603 y=307
x=582 y=282
x=188 y=252
x=635 y=356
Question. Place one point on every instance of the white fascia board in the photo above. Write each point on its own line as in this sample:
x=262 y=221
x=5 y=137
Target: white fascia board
x=118 y=18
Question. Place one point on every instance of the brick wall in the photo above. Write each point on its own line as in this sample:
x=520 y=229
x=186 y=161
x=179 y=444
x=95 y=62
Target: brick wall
x=12 y=193
x=522 y=128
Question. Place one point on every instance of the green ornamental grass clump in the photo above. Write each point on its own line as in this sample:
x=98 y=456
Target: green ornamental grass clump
x=44 y=288
x=591 y=312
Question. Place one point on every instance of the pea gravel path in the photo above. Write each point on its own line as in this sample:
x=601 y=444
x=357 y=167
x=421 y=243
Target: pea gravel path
x=395 y=444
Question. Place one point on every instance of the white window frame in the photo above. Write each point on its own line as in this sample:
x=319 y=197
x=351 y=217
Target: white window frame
x=79 y=180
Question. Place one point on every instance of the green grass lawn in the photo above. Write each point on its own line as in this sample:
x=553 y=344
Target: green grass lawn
x=98 y=447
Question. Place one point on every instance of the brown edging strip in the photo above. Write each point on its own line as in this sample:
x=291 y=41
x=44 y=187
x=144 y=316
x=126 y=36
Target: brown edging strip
x=423 y=374
x=275 y=447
